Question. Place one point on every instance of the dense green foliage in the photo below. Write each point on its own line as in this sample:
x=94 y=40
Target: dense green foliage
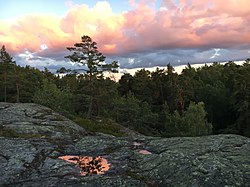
x=208 y=100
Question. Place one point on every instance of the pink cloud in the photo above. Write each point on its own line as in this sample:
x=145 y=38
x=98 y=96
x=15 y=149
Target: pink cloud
x=189 y=24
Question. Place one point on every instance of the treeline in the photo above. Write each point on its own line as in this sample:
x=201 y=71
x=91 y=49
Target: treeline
x=208 y=100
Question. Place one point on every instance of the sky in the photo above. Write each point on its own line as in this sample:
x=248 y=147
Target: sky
x=137 y=33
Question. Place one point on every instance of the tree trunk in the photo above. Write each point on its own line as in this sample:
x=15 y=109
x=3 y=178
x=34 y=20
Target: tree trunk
x=5 y=86
x=91 y=96
x=90 y=107
x=17 y=93
x=17 y=86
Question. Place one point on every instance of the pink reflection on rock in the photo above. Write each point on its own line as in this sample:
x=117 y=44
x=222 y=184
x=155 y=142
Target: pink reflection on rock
x=136 y=145
x=145 y=152
x=88 y=165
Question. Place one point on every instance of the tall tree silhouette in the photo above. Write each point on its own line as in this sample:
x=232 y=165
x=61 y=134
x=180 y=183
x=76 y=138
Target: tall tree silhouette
x=7 y=61
x=86 y=53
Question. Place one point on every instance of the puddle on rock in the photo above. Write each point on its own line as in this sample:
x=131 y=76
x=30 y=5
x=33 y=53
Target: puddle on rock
x=145 y=152
x=88 y=165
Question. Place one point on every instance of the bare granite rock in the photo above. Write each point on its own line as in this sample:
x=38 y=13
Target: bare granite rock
x=32 y=120
x=219 y=160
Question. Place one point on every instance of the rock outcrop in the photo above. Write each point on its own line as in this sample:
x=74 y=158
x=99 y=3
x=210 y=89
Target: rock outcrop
x=41 y=136
x=31 y=120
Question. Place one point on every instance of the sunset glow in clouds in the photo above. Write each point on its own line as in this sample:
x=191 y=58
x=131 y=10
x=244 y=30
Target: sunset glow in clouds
x=137 y=33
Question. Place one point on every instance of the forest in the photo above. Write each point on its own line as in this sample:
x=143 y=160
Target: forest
x=209 y=100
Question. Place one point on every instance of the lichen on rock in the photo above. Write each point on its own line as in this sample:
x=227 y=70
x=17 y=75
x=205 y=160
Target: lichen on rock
x=41 y=137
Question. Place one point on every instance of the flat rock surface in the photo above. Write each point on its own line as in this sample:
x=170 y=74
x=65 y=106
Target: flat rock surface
x=219 y=160
x=32 y=120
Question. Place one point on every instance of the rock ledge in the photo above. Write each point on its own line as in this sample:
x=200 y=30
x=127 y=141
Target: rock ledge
x=221 y=160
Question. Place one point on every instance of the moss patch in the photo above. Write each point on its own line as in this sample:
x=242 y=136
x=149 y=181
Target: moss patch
x=10 y=133
x=101 y=125
x=6 y=132
x=111 y=150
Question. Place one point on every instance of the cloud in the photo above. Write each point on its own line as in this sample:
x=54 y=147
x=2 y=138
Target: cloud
x=69 y=3
x=34 y=60
x=216 y=54
x=187 y=31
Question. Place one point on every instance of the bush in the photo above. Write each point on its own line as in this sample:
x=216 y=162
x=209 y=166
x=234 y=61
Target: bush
x=135 y=114
x=51 y=96
x=193 y=122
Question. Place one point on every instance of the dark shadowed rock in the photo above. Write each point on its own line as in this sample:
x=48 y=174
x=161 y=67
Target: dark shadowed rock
x=221 y=160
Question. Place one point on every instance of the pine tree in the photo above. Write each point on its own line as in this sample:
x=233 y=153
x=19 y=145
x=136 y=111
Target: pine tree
x=86 y=53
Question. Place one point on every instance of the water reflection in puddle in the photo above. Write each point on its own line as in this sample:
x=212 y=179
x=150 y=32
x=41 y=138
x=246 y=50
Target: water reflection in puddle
x=88 y=165
x=138 y=145
x=145 y=152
